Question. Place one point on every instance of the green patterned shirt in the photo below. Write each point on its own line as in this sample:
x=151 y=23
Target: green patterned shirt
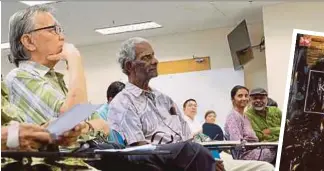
x=37 y=90
x=45 y=93
x=272 y=121
x=9 y=112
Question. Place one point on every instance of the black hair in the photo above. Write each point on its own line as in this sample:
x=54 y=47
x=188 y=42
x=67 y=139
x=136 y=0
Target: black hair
x=114 y=88
x=319 y=64
x=271 y=102
x=209 y=112
x=185 y=103
x=237 y=88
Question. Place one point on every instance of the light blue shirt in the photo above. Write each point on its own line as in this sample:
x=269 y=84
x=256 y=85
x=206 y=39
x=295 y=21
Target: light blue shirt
x=103 y=111
x=114 y=136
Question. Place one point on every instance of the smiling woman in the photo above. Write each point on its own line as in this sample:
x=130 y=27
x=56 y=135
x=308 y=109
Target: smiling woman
x=238 y=127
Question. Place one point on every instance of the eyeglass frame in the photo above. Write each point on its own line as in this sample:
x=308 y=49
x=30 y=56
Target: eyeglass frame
x=56 y=28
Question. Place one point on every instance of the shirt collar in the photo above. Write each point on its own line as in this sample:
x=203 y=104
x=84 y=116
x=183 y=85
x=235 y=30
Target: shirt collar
x=136 y=91
x=36 y=67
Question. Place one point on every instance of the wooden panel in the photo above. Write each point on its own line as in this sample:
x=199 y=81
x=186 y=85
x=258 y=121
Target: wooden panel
x=316 y=50
x=317 y=45
x=181 y=66
x=317 y=38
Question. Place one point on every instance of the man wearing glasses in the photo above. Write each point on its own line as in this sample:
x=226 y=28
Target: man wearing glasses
x=265 y=120
x=37 y=44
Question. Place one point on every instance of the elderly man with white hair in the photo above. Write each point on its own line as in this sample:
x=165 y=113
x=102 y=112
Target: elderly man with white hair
x=144 y=115
x=37 y=44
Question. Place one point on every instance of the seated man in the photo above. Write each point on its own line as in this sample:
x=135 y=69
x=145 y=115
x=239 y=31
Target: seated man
x=113 y=89
x=37 y=45
x=16 y=135
x=265 y=120
x=190 y=112
x=143 y=115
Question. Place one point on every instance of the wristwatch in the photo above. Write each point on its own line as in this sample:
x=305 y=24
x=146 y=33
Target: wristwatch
x=13 y=135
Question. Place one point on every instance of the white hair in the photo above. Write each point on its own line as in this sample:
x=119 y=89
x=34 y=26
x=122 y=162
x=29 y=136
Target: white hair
x=127 y=51
x=21 y=23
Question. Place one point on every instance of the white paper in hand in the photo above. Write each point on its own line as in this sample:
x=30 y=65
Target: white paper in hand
x=71 y=118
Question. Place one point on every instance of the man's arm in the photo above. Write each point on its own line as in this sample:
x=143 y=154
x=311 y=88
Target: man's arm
x=258 y=131
x=185 y=127
x=276 y=121
x=77 y=91
x=30 y=137
x=275 y=131
x=4 y=137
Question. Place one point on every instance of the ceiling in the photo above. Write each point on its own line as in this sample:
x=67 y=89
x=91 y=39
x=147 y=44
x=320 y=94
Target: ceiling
x=79 y=19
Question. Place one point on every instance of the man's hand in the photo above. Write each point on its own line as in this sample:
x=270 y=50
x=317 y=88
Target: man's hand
x=32 y=137
x=266 y=132
x=69 y=51
x=220 y=165
x=70 y=137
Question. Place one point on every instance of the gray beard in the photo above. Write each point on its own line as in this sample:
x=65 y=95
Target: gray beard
x=259 y=108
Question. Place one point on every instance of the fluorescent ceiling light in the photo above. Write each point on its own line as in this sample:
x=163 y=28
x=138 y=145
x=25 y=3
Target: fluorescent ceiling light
x=31 y=3
x=128 y=28
x=5 y=45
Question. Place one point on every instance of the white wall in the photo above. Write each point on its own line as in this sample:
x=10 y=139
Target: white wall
x=255 y=72
x=101 y=65
x=279 y=21
x=204 y=87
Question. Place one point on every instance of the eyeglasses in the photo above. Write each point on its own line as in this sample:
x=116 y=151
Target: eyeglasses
x=58 y=29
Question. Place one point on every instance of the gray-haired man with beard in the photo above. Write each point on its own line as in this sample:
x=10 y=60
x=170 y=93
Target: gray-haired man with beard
x=265 y=120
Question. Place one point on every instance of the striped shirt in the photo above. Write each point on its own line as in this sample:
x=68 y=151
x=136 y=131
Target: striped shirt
x=37 y=90
x=9 y=112
x=153 y=117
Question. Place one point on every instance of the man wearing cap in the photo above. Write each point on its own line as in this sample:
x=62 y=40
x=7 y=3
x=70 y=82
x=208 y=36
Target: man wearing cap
x=265 y=120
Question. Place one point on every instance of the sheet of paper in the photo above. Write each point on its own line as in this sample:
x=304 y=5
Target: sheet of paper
x=71 y=118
